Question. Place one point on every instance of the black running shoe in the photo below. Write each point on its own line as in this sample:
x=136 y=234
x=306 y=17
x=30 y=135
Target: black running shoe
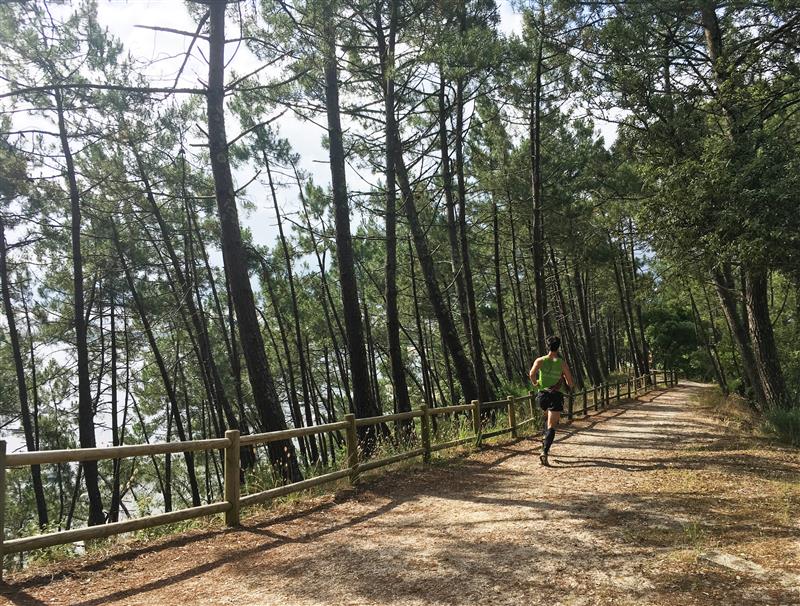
x=543 y=459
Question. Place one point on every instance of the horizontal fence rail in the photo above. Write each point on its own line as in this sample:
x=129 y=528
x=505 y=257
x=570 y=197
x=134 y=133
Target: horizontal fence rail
x=601 y=396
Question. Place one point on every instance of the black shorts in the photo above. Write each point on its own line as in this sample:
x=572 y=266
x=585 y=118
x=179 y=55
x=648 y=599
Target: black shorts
x=550 y=400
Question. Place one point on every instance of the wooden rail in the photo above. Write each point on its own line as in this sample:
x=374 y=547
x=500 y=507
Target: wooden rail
x=232 y=442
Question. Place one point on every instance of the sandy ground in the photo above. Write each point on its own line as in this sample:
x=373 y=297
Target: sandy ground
x=641 y=504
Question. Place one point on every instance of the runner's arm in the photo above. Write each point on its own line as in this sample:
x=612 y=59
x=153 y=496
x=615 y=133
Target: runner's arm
x=532 y=374
x=567 y=374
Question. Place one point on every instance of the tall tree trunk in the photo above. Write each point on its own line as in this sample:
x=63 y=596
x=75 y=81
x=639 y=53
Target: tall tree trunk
x=22 y=387
x=537 y=248
x=328 y=306
x=282 y=454
x=423 y=358
x=485 y=393
x=34 y=379
x=636 y=305
x=113 y=508
x=766 y=369
x=725 y=287
x=248 y=455
x=498 y=292
x=287 y=369
x=625 y=303
x=583 y=311
x=446 y=326
x=162 y=367
x=386 y=51
x=298 y=333
x=363 y=403
x=452 y=229
x=572 y=346
x=86 y=435
x=519 y=304
x=703 y=336
x=193 y=304
x=765 y=352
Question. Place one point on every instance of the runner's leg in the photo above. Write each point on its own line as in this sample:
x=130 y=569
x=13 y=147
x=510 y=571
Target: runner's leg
x=553 y=417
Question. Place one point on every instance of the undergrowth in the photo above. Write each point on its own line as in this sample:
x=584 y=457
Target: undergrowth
x=784 y=424
x=779 y=423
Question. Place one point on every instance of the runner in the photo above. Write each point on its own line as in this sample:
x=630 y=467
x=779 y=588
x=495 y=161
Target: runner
x=552 y=372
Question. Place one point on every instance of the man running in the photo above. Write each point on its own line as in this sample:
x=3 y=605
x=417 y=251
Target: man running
x=548 y=375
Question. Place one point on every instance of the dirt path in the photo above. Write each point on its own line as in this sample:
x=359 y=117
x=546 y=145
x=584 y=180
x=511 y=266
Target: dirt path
x=638 y=502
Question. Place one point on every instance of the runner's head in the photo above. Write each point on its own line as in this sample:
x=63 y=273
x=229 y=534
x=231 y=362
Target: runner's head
x=553 y=343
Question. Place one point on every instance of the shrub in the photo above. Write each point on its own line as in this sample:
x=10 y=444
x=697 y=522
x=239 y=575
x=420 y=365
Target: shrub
x=784 y=424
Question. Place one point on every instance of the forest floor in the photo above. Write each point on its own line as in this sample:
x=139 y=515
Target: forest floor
x=651 y=502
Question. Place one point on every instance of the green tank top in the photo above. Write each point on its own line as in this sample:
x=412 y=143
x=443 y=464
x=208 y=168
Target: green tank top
x=549 y=373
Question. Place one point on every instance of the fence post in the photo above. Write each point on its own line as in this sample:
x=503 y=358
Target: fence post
x=617 y=397
x=352 y=447
x=628 y=382
x=532 y=401
x=594 y=395
x=476 y=421
x=232 y=486
x=512 y=417
x=585 y=402
x=570 y=404
x=2 y=503
x=425 y=420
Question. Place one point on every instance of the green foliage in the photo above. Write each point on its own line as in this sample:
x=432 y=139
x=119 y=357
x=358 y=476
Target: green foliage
x=671 y=335
x=784 y=424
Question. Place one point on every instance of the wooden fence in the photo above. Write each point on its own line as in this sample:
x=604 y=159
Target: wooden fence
x=594 y=397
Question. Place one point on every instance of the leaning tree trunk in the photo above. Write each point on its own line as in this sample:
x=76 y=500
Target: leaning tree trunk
x=449 y=200
x=282 y=454
x=446 y=326
x=328 y=306
x=298 y=333
x=723 y=283
x=162 y=367
x=86 y=435
x=363 y=402
x=22 y=387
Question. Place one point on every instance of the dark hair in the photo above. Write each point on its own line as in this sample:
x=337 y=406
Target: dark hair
x=553 y=343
